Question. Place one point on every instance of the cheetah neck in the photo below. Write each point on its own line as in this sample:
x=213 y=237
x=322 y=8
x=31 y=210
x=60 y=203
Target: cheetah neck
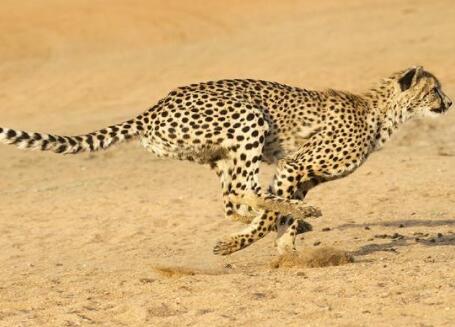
x=386 y=112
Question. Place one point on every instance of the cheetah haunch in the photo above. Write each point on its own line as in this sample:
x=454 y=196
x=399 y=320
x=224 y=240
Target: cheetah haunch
x=233 y=125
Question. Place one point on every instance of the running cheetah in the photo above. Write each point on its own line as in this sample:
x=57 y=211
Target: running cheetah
x=233 y=125
x=341 y=134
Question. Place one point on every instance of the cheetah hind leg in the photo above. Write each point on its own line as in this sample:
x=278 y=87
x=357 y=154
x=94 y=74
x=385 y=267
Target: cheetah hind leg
x=247 y=236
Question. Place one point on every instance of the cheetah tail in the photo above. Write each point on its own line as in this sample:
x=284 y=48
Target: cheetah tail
x=94 y=141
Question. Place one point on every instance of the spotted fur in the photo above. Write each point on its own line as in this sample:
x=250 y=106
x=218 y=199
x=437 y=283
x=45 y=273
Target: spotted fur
x=233 y=125
x=347 y=129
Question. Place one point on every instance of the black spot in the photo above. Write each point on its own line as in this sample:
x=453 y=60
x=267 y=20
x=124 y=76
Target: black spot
x=25 y=136
x=61 y=149
x=71 y=141
x=11 y=134
x=44 y=145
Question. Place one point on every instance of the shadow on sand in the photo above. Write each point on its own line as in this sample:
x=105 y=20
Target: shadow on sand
x=403 y=223
x=399 y=240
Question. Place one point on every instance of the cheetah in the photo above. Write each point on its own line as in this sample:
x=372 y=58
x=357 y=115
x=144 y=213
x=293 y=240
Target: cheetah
x=234 y=125
x=344 y=130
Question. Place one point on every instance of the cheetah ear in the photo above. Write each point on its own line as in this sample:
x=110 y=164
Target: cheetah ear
x=410 y=77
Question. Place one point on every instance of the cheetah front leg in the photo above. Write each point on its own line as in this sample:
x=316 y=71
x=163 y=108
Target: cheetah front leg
x=271 y=202
x=287 y=227
x=247 y=216
x=290 y=228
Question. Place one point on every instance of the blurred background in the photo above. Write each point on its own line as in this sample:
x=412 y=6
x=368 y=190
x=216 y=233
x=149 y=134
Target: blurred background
x=80 y=234
x=114 y=54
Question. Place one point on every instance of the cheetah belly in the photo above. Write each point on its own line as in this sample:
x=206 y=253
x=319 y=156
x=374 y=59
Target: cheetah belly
x=280 y=144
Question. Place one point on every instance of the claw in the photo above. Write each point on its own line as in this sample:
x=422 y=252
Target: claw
x=224 y=248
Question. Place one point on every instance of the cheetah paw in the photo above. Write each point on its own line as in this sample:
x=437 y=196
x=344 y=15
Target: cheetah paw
x=225 y=247
x=309 y=211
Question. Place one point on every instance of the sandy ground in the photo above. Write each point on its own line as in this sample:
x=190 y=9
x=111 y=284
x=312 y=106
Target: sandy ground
x=122 y=239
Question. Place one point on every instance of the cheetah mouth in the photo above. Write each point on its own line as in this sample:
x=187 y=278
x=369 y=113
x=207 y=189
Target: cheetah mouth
x=439 y=110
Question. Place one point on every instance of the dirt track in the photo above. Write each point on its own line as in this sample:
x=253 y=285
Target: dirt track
x=120 y=238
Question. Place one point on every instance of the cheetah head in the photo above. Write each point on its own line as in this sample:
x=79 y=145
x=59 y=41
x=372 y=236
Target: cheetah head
x=421 y=94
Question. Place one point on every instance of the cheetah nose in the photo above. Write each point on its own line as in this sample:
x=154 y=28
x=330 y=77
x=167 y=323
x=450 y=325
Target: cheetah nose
x=449 y=103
